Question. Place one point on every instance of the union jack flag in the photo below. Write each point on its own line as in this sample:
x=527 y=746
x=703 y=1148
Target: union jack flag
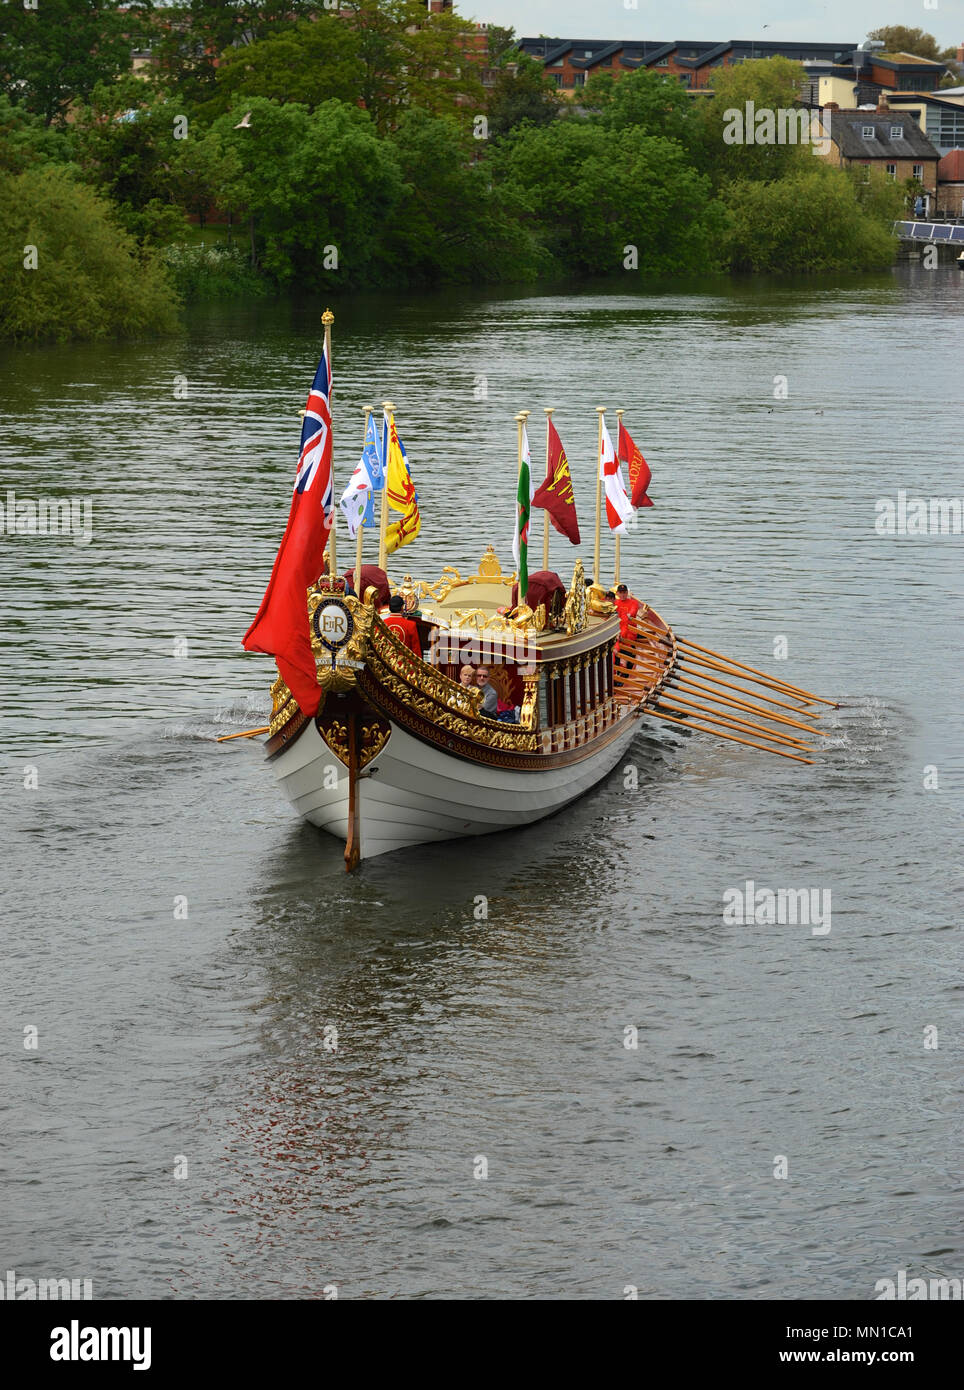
x=315 y=452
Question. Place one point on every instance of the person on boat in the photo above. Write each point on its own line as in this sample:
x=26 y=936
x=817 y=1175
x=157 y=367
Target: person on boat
x=627 y=607
x=467 y=674
x=506 y=713
x=403 y=628
x=490 y=696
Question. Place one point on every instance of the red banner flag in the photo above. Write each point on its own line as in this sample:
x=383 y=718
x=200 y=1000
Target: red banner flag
x=639 y=475
x=281 y=627
x=555 y=495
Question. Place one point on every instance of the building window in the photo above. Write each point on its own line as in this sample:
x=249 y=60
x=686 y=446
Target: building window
x=579 y=80
x=919 y=172
x=892 y=170
x=867 y=132
x=897 y=132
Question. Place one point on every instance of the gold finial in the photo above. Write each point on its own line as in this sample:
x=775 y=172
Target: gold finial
x=388 y=406
x=601 y=409
x=522 y=416
x=548 y=409
x=327 y=317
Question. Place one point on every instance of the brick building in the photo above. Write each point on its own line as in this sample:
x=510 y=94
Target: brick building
x=950 y=185
x=892 y=143
x=836 y=72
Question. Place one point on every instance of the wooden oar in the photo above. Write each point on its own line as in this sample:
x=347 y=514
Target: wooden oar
x=717 y=733
x=693 y=688
x=770 y=699
x=741 y=675
x=729 y=666
x=711 y=716
x=773 y=680
x=248 y=733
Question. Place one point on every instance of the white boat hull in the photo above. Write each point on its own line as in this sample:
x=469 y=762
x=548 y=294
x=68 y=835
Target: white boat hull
x=412 y=793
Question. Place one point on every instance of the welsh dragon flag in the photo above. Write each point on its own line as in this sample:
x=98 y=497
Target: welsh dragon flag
x=520 y=540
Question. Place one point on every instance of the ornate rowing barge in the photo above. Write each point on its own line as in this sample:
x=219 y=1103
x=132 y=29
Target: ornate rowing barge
x=381 y=744
x=400 y=753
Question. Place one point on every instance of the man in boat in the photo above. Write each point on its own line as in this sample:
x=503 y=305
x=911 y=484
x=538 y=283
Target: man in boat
x=627 y=607
x=403 y=628
x=467 y=674
x=490 y=696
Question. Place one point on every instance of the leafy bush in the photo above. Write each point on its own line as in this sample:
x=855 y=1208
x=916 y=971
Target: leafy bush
x=211 y=272
x=90 y=279
x=811 y=220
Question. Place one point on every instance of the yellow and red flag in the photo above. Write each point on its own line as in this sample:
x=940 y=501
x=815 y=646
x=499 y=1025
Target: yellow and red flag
x=400 y=494
x=555 y=495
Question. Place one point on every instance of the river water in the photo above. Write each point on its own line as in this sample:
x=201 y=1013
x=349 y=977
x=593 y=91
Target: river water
x=257 y=1077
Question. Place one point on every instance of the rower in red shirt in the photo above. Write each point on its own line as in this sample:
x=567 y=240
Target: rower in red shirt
x=627 y=607
x=403 y=628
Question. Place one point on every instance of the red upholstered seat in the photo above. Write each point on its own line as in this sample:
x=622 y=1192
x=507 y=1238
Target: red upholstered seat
x=544 y=586
x=377 y=578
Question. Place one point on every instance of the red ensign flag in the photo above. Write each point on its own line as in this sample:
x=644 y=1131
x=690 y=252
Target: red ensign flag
x=281 y=627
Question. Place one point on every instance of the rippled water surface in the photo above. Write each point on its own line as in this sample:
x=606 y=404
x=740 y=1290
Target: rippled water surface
x=204 y=1042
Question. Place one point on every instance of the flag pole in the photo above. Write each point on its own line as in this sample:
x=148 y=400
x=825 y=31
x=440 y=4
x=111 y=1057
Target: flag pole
x=328 y=319
x=520 y=420
x=369 y=411
x=545 y=515
x=600 y=412
x=389 y=408
x=619 y=421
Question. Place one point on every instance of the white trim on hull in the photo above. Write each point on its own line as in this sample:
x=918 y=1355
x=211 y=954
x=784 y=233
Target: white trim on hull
x=412 y=793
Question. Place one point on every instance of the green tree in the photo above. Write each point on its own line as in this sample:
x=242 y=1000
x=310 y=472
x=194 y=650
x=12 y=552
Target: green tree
x=654 y=104
x=54 y=55
x=501 y=43
x=451 y=224
x=308 y=62
x=413 y=58
x=200 y=170
x=316 y=186
x=25 y=140
x=67 y=271
x=190 y=37
x=810 y=220
x=590 y=193
x=771 y=84
x=126 y=139
x=898 y=38
x=523 y=94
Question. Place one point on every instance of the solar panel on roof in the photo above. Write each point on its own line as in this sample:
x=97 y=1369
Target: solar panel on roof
x=942 y=233
x=957 y=234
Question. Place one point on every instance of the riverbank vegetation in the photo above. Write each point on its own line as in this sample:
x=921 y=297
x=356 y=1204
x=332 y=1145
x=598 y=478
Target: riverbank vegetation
x=359 y=149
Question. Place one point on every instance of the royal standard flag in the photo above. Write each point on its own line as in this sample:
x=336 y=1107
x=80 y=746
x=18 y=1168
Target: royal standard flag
x=400 y=494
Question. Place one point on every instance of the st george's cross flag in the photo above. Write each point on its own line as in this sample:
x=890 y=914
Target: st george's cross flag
x=640 y=476
x=281 y=626
x=618 y=506
x=555 y=494
x=523 y=513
